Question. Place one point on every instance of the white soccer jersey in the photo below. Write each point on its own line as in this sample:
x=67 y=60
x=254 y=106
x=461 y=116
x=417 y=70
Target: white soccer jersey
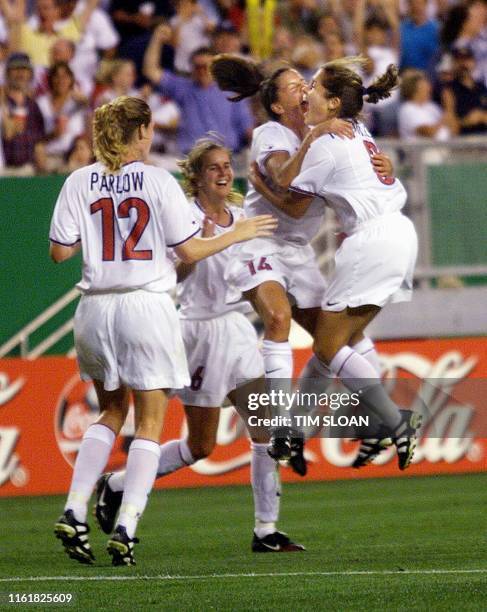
x=125 y=223
x=340 y=171
x=204 y=294
x=272 y=137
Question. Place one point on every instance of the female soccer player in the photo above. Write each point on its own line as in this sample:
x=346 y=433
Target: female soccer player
x=222 y=349
x=270 y=269
x=123 y=214
x=375 y=263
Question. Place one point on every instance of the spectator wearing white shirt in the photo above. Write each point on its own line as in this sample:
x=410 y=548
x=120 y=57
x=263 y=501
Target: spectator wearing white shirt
x=419 y=116
x=64 y=112
x=100 y=36
x=191 y=28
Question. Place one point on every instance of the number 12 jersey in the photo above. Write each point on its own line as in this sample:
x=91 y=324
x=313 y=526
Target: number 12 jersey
x=125 y=222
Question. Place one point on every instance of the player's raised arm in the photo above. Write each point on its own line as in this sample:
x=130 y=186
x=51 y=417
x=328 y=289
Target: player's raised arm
x=152 y=68
x=195 y=249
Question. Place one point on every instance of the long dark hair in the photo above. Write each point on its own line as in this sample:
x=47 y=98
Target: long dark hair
x=341 y=81
x=246 y=78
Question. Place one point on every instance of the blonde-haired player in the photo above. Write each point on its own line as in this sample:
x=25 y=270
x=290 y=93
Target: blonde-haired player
x=223 y=353
x=124 y=213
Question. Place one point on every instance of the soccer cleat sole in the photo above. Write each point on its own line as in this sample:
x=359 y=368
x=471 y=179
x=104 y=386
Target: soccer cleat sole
x=292 y=547
x=65 y=533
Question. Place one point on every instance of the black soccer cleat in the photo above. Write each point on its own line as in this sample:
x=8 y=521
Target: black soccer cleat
x=297 y=462
x=405 y=437
x=372 y=446
x=107 y=504
x=74 y=537
x=275 y=542
x=280 y=444
x=121 y=547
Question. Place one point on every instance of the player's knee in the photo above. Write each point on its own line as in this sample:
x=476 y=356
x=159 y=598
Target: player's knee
x=149 y=427
x=201 y=449
x=325 y=353
x=278 y=321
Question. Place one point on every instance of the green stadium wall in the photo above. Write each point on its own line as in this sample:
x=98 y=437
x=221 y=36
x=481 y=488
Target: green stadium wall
x=31 y=282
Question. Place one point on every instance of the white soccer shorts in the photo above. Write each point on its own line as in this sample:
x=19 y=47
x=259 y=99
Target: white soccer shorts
x=292 y=266
x=374 y=265
x=131 y=338
x=223 y=353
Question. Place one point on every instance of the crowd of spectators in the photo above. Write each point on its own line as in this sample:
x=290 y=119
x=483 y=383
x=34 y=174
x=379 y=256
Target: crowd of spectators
x=60 y=59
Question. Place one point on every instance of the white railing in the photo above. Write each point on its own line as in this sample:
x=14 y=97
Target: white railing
x=413 y=156
x=21 y=338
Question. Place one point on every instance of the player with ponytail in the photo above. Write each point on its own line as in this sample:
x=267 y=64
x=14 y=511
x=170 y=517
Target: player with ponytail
x=375 y=263
x=270 y=270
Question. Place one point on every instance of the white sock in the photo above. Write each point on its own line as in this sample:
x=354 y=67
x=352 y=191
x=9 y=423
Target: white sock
x=175 y=454
x=92 y=458
x=278 y=363
x=266 y=489
x=358 y=374
x=142 y=462
x=278 y=359
x=367 y=349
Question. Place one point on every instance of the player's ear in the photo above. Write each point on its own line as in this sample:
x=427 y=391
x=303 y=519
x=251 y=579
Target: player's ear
x=334 y=103
x=277 y=108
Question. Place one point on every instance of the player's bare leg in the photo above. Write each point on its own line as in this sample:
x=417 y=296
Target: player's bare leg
x=333 y=335
x=272 y=305
x=92 y=458
x=142 y=464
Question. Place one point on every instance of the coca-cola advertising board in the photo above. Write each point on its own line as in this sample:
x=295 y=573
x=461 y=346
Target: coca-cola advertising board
x=45 y=409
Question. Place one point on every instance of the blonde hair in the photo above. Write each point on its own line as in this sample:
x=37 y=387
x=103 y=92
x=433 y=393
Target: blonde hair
x=192 y=166
x=114 y=126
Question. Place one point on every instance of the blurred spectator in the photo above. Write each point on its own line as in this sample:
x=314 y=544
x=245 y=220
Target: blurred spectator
x=232 y=12
x=226 y=39
x=62 y=51
x=191 y=30
x=282 y=44
x=99 y=36
x=36 y=37
x=79 y=155
x=419 y=37
x=134 y=21
x=465 y=98
x=466 y=26
x=64 y=110
x=120 y=77
x=22 y=122
x=203 y=106
x=299 y=16
x=419 y=116
x=333 y=47
x=166 y=117
x=378 y=39
x=307 y=56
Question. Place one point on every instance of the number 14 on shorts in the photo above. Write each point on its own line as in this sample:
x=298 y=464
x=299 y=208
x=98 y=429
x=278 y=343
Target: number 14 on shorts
x=262 y=265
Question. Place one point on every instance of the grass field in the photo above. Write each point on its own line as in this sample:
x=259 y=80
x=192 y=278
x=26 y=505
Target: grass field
x=391 y=544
